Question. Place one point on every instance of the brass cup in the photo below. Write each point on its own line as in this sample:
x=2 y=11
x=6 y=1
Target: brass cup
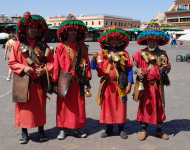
x=29 y=61
x=164 y=59
x=105 y=51
x=36 y=52
x=144 y=55
x=122 y=62
x=123 y=58
x=116 y=58
x=88 y=94
x=47 y=52
x=120 y=53
x=23 y=49
x=109 y=56
x=159 y=61
x=151 y=57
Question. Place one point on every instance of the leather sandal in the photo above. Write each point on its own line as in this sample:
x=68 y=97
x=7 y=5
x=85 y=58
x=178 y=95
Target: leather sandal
x=142 y=136
x=162 y=135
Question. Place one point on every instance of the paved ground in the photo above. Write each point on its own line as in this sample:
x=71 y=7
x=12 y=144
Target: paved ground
x=177 y=125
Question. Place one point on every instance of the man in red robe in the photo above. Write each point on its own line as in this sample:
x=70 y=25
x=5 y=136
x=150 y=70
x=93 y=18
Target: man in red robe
x=31 y=30
x=151 y=66
x=112 y=63
x=71 y=108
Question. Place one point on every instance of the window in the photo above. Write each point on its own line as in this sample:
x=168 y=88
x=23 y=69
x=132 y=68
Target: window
x=54 y=24
x=135 y=26
x=111 y=23
x=86 y=23
x=121 y=24
x=138 y=27
x=106 y=23
x=124 y=24
x=99 y=22
x=131 y=25
x=173 y=20
x=128 y=24
x=92 y=22
x=115 y=23
x=59 y=23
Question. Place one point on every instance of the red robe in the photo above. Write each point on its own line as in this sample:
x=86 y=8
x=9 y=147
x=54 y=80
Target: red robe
x=113 y=111
x=150 y=106
x=32 y=113
x=71 y=109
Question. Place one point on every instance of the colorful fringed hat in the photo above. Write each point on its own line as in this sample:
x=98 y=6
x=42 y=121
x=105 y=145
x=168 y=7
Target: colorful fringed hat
x=111 y=32
x=71 y=22
x=153 y=31
x=27 y=19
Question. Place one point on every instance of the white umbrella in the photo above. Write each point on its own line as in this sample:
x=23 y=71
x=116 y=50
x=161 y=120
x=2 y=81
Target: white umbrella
x=4 y=35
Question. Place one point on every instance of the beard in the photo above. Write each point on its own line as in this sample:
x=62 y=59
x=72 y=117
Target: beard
x=151 y=49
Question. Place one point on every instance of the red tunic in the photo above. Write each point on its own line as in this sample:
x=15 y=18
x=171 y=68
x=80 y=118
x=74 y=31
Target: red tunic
x=71 y=109
x=150 y=106
x=32 y=113
x=113 y=111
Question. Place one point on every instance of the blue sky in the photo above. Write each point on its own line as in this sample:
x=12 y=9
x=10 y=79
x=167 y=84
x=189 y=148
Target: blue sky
x=144 y=10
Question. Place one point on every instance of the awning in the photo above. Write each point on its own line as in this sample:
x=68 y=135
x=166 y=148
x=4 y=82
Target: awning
x=53 y=27
x=11 y=25
x=131 y=30
x=94 y=29
x=172 y=29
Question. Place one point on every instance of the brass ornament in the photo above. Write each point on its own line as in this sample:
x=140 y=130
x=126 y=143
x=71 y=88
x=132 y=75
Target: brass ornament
x=88 y=94
x=151 y=57
x=23 y=49
x=36 y=52
x=29 y=61
x=123 y=58
x=145 y=56
x=120 y=53
x=141 y=87
x=116 y=58
x=109 y=56
x=47 y=52
x=99 y=59
x=122 y=62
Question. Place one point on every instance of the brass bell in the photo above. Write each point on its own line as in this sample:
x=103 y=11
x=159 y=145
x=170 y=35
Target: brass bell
x=116 y=58
x=23 y=49
x=36 y=52
x=88 y=94
x=99 y=59
x=47 y=52
x=29 y=61
x=120 y=53
x=122 y=62
x=109 y=56
x=141 y=87
x=144 y=55
x=123 y=58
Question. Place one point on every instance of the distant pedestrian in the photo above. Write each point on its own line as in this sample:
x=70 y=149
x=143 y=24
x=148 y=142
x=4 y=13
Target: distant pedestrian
x=8 y=47
x=171 y=39
x=174 y=39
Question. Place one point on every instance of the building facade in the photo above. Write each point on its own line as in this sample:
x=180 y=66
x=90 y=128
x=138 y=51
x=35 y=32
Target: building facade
x=99 y=21
x=178 y=15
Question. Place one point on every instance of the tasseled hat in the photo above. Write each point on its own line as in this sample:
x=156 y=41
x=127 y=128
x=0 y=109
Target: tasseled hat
x=26 y=20
x=71 y=22
x=111 y=32
x=153 y=31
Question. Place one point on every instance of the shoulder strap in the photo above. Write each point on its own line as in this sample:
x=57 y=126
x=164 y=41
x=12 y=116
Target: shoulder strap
x=69 y=50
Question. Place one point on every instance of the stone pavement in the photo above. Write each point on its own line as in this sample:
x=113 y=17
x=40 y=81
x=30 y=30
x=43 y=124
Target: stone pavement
x=177 y=124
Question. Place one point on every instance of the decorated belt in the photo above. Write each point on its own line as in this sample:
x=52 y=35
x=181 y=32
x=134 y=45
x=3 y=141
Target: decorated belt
x=111 y=79
x=36 y=80
x=153 y=82
x=74 y=80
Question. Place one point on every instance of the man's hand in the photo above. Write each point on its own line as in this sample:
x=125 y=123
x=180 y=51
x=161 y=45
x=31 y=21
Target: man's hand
x=128 y=88
x=28 y=70
x=88 y=87
x=139 y=73
x=40 y=71
x=165 y=68
x=95 y=55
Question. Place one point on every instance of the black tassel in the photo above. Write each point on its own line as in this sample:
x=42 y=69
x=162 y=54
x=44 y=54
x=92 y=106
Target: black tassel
x=166 y=79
